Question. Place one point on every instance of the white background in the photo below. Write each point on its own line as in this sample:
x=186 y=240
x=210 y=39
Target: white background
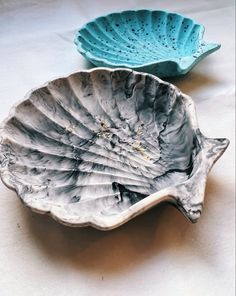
x=160 y=252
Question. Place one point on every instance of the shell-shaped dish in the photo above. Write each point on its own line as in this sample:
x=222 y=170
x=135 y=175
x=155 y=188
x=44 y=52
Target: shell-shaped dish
x=157 y=42
x=102 y=146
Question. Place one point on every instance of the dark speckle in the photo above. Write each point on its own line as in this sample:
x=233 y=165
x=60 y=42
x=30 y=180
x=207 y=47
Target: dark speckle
x=35 y=171
x=117 y=197
x=75 y=199
x=112 y=144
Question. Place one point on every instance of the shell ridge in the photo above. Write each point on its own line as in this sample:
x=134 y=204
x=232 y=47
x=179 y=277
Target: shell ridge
x=91 y=139
x=134 y=171
x=145 y=50
x=71 y=121
x=113 y=41
x=183 y=45
x=137 y=40
x=53 y=123
x=108 y=36
x=129 y=96
x=177 y=30
x=74 y=177
x=112 y=56
x=69 y=170
x=75 y=115
x=138 y=160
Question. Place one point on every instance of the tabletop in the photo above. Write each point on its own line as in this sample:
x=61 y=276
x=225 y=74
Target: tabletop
x=159 y=252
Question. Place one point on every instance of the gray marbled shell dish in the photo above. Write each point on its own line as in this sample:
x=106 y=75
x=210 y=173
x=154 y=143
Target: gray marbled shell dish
x=102 y=146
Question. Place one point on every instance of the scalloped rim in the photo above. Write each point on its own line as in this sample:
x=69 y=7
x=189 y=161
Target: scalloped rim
x=167 y=194
x=106 y=63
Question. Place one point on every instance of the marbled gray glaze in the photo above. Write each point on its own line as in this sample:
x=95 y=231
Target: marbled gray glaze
x=101 y=146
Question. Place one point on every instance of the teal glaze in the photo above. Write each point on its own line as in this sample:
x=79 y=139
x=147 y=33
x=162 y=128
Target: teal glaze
x=158 y=42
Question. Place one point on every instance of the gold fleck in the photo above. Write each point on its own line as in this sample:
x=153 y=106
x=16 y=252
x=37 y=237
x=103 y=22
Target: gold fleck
x=71 y=128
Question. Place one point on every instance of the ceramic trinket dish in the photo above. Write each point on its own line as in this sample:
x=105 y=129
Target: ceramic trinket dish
x=102 y=146
x=157 y=42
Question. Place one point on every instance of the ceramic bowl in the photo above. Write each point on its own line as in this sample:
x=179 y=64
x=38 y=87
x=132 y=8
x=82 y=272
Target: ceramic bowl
x=102 y=146
x=157 y=42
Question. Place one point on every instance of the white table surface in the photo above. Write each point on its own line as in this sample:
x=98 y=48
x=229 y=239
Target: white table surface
x=160 y=252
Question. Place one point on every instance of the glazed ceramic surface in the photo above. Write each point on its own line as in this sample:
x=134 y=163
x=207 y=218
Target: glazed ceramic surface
x=158 y=42
x=101 y=146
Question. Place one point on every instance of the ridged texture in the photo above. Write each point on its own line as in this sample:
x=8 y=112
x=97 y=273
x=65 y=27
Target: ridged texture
x=158 y=42
x=91 y=147
x=162 y=43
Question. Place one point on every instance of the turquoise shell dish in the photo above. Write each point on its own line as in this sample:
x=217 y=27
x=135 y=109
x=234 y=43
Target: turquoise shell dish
x=157 y=42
